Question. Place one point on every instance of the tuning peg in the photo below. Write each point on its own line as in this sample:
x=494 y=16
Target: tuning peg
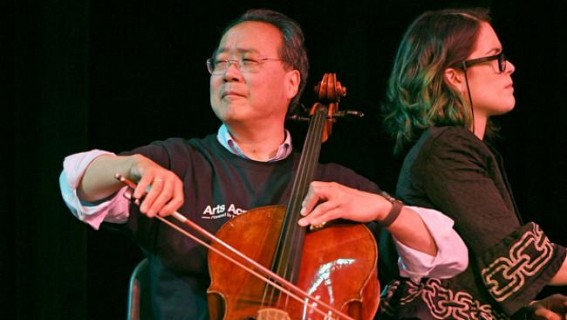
x=296 y=117
x=350 y=113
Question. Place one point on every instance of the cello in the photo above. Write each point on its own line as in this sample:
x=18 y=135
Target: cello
x=332 y=270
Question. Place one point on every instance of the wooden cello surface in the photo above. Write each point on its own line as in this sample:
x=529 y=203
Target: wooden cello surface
x=335 y=265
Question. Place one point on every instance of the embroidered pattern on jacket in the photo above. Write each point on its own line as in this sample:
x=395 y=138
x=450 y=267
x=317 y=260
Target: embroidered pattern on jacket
x=442 y=303
x=526 y=258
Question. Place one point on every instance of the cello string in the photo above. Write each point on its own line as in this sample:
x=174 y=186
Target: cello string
x=318 y=132
x=293 y=238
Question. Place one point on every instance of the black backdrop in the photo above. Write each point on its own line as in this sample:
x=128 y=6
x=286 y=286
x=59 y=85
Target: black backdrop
x=116 y=74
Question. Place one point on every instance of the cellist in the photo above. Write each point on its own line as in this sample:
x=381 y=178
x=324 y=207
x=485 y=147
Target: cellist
x=258 y=72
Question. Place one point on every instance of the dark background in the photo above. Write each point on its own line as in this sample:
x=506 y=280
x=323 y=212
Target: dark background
x=113 y=75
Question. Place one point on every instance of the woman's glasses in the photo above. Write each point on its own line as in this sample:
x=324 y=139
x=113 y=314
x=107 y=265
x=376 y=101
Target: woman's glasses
x=500 y=57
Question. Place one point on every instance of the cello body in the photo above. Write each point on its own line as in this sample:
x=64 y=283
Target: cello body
x=338 y=266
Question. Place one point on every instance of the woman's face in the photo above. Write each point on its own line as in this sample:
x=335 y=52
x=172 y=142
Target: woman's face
x=492 y=91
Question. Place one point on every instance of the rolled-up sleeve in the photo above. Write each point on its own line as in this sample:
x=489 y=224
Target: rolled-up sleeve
x=452 y=253
x=113 y=209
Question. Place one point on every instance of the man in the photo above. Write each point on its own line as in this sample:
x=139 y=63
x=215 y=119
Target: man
x=257 y=72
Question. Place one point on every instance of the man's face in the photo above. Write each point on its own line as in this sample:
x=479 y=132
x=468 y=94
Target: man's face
x=254 y=87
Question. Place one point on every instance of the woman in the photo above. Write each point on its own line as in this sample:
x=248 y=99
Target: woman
x=449 y=78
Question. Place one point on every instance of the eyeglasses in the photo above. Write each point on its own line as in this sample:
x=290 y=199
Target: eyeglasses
x=500 y=57
x=248 y=65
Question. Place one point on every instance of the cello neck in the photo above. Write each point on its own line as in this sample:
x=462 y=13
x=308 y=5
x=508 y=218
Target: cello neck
x=288 y=252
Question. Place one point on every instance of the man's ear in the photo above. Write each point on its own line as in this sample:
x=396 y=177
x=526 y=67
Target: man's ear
x=292 y=83
x=455 y=78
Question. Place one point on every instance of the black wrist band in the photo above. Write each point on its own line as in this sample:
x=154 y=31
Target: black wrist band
x=394 y=212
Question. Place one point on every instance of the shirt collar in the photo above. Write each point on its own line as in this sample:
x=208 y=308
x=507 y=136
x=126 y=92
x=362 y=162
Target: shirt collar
x=224 y=137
